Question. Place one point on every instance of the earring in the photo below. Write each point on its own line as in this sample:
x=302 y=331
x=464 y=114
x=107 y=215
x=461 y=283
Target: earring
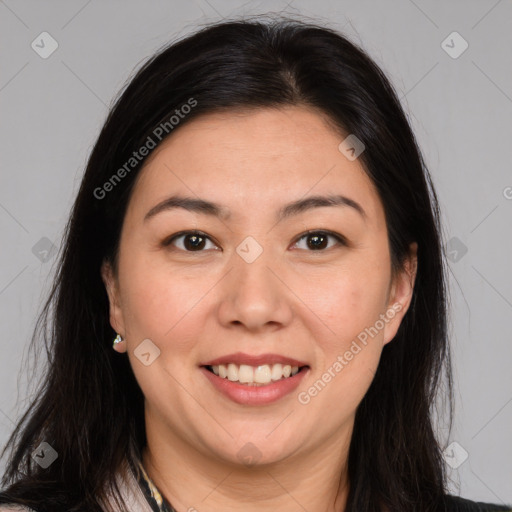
x=117 y=340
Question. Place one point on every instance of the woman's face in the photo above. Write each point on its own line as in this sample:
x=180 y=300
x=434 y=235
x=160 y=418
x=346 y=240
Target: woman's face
x=254 y=283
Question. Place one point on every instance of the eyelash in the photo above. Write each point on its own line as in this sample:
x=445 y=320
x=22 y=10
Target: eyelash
x=339 y=238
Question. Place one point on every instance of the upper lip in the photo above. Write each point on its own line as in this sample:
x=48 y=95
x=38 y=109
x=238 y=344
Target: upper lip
x=261 y=359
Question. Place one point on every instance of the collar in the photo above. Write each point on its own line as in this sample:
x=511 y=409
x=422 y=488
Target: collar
x=154 y=497
x=138 y=491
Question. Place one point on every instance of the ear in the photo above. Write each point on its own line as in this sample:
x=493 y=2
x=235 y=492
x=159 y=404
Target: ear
x=116 y=313
x=401 y=293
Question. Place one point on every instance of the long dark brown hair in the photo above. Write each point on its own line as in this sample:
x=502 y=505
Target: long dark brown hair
x=90 y=407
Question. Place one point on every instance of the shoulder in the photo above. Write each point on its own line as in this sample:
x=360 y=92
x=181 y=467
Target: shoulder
x=458 y=504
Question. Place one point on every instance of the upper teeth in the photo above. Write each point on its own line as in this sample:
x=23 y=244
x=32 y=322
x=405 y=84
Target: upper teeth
x=254 y=374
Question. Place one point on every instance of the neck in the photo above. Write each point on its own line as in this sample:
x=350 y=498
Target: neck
x=190 y=480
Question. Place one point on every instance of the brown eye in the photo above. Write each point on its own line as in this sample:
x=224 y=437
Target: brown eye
x=319 y=240
x=193 y=242
x=190 y=241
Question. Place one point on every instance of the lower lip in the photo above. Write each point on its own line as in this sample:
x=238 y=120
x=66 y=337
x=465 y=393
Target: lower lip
x=255 y=395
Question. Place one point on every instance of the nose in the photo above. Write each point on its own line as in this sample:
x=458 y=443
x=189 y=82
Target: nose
x=254 y=295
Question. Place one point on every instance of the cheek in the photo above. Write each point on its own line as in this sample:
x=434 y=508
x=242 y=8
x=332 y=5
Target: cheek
x=159 y=305
x=346 y=300
x=347 y=353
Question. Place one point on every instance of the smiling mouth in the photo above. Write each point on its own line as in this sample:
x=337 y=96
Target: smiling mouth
x=260 y=375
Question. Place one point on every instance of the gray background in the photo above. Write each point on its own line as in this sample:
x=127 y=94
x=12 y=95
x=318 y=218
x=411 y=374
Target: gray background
x=460 y=108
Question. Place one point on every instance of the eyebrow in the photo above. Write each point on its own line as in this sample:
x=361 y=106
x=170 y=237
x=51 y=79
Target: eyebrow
x=205 y=207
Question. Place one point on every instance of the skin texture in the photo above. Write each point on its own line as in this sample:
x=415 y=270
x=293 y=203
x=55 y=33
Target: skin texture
x=294 y=300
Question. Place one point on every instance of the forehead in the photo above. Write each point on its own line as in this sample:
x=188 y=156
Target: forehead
x=254 y=159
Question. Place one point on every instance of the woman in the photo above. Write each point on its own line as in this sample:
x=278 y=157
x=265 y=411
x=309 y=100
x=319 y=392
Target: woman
x=258 y=233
